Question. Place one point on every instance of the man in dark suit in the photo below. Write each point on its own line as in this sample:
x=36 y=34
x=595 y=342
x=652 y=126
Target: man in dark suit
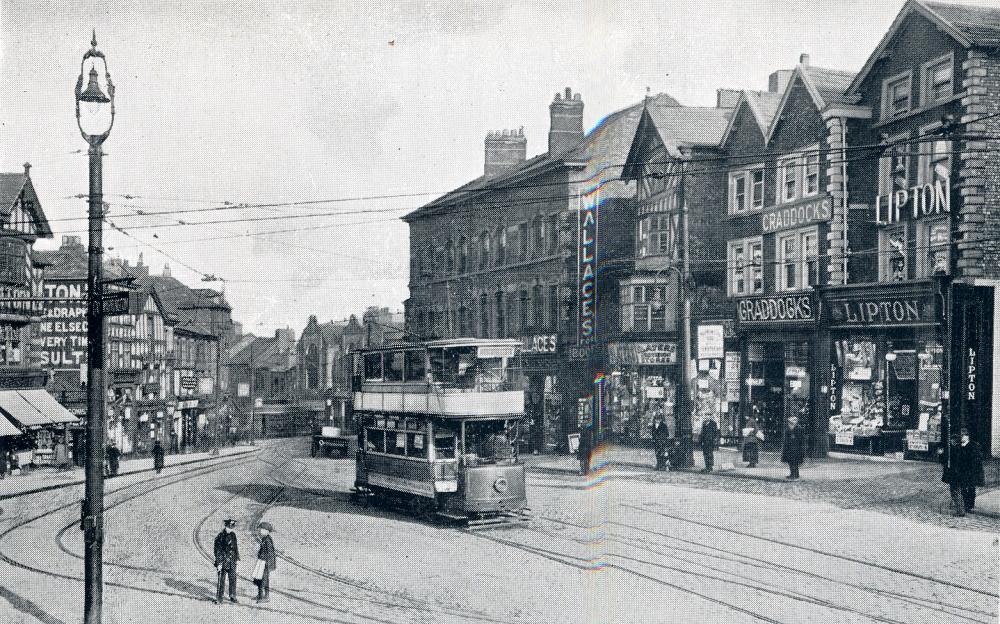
x=661 y=442
x=793 y=451
x=227 y=553
x=585 y=450
x=964 y=473
x=709 y=442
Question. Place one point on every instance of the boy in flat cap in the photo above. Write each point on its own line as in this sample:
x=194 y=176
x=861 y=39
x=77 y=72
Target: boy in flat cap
x=266 y=562
x=227 y=553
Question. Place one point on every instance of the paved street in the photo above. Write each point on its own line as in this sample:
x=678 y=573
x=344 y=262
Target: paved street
x=626 y=542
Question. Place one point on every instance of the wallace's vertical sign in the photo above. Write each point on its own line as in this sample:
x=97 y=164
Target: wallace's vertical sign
x=587 y=274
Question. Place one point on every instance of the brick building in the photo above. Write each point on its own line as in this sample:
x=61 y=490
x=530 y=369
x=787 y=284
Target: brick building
x=264 y=375
x=516 y=253
x=644 y=356
x=911 y=325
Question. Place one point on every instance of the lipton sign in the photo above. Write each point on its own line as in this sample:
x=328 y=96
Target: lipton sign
x=925 y=200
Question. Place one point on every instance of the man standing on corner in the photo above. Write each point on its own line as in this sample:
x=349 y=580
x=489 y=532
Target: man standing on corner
x=964 y=474
x=709 y=442
x=585 y=450
x=661 y=441
x=227 y=553
x=793 y=450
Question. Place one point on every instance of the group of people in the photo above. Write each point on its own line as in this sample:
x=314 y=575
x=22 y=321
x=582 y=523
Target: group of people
x=227 y=555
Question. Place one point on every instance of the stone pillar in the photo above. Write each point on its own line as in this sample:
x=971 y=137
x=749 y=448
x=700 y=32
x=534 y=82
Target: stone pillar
x=973 y=170
x=836 y=188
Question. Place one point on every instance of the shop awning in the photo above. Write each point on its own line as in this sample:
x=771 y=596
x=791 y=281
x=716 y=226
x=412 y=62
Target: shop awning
x=8 y=428
x=33 y=408
x=47 y=405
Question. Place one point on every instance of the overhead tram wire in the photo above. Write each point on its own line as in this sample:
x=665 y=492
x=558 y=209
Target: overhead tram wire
x=928 y=136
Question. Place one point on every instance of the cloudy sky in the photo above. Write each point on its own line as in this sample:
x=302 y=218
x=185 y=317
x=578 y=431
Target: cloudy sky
x=333 y=103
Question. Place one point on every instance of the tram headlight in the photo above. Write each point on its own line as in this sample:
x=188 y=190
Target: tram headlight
x=501 y=485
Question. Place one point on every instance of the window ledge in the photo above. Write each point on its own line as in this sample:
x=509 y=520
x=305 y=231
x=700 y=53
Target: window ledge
x=920 y=110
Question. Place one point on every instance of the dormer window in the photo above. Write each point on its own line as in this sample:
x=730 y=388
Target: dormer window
x=896 y=95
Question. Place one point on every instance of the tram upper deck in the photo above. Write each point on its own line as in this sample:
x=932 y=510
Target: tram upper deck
x=462 y=378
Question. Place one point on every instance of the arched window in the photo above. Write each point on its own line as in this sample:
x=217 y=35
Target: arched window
x=499 y=327
x=484 y=316
x=312 y=367
x=449 y=257
x=538 y=304
x=501 y=237
x=484 y=250
x=463 y=255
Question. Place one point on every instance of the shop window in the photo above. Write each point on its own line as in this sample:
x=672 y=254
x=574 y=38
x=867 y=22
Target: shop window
x=896 y=95
x=938 y=80
x=935 y=158
x=745 y=262
x=894 y=166
x=656 y=235
x=933 y=245
x=894 y=254
x=798 y=259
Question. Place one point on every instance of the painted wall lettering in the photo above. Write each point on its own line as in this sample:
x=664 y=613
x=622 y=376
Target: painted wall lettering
x=787 y=217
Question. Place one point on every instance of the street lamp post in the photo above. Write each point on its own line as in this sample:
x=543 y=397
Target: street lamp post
x=95 y=119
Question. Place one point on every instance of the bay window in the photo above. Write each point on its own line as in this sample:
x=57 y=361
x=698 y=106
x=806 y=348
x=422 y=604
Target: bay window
x=646 y=308
x=894 y=253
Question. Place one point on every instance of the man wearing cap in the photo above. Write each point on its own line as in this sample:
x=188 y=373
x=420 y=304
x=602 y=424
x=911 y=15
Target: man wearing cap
x=227 y=553
x=963 y=473
x=266 y=562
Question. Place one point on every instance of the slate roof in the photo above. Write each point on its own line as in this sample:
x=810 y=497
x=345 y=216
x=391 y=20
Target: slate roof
x=764 y=105
x=980 y=24
x=178 y=300
x=70 y=263
x=832 y=84
x=694 y=125
x=581 y=152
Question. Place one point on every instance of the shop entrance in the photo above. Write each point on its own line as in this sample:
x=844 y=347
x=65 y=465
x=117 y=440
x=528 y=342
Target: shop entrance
x=778 y=385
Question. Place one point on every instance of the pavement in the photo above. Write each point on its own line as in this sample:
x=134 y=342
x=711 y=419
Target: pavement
x=44 y=479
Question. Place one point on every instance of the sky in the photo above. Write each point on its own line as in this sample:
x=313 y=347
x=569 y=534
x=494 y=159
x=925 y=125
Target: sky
x=335 y=102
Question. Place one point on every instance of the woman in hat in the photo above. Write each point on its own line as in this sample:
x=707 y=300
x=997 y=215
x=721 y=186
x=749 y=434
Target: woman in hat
x=266 y=562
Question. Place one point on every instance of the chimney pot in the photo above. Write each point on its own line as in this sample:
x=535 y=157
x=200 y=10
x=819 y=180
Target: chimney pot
x=565 y=123
x=569 y=93
x=27 y=169
x=804 y=59
x=504 y=149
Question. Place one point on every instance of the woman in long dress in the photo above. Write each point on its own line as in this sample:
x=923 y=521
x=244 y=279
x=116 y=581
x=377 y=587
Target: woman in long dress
x=751 y=442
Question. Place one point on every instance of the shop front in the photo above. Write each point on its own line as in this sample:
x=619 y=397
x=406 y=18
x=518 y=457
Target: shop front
x=642 y=384
x=778 y=337
x=543 y=430
x=888 y=367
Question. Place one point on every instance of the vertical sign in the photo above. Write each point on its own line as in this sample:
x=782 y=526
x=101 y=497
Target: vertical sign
x=587 y=273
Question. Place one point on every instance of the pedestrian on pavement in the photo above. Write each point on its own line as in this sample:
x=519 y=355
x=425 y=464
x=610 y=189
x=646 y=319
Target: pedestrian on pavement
x=964 y=473
x=752 y=438
x=793 y=448
x=661 y=441
x=227 y=553
x=158 y=454
x=267 y=562
x=585 y=450
x=709 y=441
x=113 y=456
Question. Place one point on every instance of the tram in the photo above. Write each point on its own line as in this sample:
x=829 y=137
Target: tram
x=436 y=423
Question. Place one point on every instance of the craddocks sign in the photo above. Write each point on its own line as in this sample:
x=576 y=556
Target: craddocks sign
x=786 y=217
x=780 y=309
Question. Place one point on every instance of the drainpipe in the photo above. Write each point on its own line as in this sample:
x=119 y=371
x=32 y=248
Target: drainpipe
x=843 y=165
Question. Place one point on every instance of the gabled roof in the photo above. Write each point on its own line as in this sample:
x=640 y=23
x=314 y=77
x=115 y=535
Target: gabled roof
x=763 y=105
x=825 y=86
x=578 y=154
x=970 y=26
x=179 y=300
x=677 y=126
x=11 y=185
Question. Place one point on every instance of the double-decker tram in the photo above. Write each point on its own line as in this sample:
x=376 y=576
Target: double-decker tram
x=437 y=423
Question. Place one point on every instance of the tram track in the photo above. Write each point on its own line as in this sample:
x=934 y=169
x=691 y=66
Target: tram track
x=738 y=578
x=414 y=603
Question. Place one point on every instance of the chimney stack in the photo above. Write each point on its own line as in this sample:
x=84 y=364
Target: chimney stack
x=777 y=81
x=504 y=150
x=565 y=122
x=804 y=59
x=27 y=169
x=71 y=242
x=726 y=98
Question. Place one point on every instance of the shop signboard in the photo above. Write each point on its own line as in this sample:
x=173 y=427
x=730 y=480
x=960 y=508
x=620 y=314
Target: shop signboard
x=711 y=342
x=917 y=440
x=875 y=308
x=791 y=216
x=643 y=353
x=844 y=438
x=798 y=308
x=924 y=200
x=189 y=383
x=539 y=344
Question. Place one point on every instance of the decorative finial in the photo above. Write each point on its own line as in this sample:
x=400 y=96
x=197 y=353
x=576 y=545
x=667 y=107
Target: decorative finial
x=93 y=40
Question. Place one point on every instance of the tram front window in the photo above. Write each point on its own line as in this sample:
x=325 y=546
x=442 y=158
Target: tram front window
x=444 y=442
x=488 y=442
